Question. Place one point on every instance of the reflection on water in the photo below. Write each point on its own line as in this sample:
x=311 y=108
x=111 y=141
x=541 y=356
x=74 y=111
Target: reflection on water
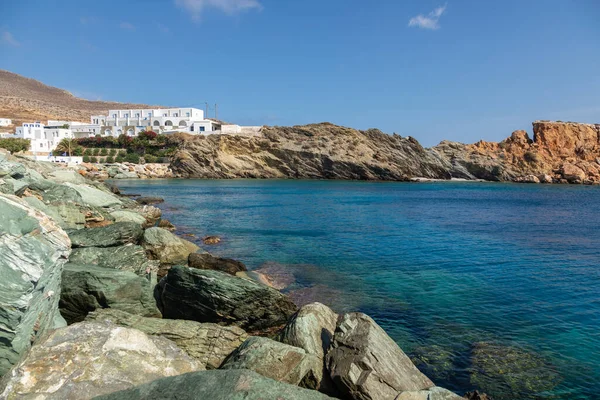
x=492 y=286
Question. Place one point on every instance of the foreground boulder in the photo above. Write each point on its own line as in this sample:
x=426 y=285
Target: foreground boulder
x=90 y=359
x=212 y=296
x=86 y=288
x=33 y=250
x=117 y=234
x=434 y=393
x=276 y=360
x=208 y=343
x=207 y=261
x=216 y=385
x=164 y=246
x=365 y=363
x=312 y=329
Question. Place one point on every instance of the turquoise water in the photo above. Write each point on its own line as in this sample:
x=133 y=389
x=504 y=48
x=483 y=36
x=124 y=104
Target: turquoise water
x=436 y=264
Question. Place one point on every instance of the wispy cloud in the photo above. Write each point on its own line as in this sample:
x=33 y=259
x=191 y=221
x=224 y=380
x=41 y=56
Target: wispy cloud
x=127 y=26
x=429 y=21
x=231 y=7
x=9 y=39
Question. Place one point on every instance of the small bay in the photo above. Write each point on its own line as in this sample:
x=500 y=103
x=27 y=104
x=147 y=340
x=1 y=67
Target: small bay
x=490 y=286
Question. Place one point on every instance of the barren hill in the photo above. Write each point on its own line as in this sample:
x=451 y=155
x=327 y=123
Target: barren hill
x=23 y=99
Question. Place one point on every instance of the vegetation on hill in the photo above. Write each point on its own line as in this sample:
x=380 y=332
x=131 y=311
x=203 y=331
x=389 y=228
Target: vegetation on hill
x=15 y=145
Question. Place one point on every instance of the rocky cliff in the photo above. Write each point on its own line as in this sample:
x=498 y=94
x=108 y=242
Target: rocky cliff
x=316 y=151
x=560 y=152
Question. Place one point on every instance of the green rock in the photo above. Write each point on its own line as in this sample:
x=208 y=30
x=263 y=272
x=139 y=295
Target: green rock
x=117 y=234
x=130 y=258
x=95 y=197
x=208 y=343
x=216 y=385
x=213 y=296
x=508 y=372
x=61 y=194
x=40 y=206
x=86 y=288
x=72 y=216
x=33 y=250
x=128 y=216
x=278 y=361
x=66 y=175
x=164 y=246
x=89 y=359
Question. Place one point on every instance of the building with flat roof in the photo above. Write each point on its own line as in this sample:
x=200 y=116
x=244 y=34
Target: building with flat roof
x=44 y=138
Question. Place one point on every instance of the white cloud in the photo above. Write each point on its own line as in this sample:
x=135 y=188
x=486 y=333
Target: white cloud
x=127 y=26
x=430 y=21
x=196 y=7
x=9 y=39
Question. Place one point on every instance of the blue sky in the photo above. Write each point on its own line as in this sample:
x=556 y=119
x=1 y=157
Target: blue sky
x=458 y=70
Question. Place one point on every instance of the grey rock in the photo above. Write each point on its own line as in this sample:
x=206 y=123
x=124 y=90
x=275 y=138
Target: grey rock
x=126 y=175
x=145 y=200
x=312 y=329
x=61 y=194
x=366 y=364
x=66 y=175
x=208 y=343
x=275 y=360
x=434 y=393
x=207 y=261
x=164 y=246
x=217 y=385
x=89 y=359
x=212 y=296
x=86 y=288
x=117 y=234
x=33 y=251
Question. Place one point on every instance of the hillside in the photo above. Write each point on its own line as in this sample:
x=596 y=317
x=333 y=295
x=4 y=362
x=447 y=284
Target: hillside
x=23 y=99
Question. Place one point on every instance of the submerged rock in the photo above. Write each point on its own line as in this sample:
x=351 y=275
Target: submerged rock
x=86 y=288
x=434 y=361
x=365 y=363
x=89 y=359
x=212 y=296
x=217 y=385
x=276 y=360
x=150 y=200
x=207 y=261
x=211 y=240
x=33 y=250
x=117 y=234
x=208 y=343
x=509 y=372
x=434 y=393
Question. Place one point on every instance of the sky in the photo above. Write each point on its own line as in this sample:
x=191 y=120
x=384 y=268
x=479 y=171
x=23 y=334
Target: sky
x=458 y=70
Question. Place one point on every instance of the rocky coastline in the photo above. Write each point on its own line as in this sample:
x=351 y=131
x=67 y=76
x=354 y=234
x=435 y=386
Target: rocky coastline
x=98 y=301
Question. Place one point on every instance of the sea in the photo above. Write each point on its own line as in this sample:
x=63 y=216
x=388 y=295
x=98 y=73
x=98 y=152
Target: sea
x=487 y=286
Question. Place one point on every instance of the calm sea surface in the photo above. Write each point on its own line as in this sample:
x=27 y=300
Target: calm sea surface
x=491 y=286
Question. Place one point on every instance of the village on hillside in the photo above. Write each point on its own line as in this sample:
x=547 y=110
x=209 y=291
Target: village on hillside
x=47 y=141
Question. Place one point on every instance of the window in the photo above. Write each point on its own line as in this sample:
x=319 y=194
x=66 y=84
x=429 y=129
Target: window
x=137 y=115
x=41 y=144
x=187 y=114
x=114 y=115
x=175 y=115
x=192 y=128
x=202 y=129
x=149 y=114
x=126 y=115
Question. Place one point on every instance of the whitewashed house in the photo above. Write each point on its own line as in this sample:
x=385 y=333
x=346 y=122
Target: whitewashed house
x=5 y=122
x=43 y=138
x=161 y=120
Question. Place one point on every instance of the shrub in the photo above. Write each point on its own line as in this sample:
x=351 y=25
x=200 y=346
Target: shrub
x=104 y=152
x=96 y=151
x=119 y=158
x=123 y=153
x=94 y=160
x=149 y=158
x=78 y=151
x=87 y=152
x=113 y=152
x=15 y=145
x=147 y=135
x=86 y=158
x=133 y=158
x=109 y=160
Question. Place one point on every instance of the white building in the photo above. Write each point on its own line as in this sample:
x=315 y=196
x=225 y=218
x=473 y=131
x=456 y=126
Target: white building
x=5 y=122
x=43 y=138
x=167 y=120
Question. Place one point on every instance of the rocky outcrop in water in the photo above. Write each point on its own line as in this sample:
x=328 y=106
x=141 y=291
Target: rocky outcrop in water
x=317 y=151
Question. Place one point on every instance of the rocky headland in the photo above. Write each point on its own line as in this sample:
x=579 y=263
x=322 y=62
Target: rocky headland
x=560 y=152
x=98 y=301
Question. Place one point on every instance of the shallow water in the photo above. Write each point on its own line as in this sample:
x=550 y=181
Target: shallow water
x=445 y=264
